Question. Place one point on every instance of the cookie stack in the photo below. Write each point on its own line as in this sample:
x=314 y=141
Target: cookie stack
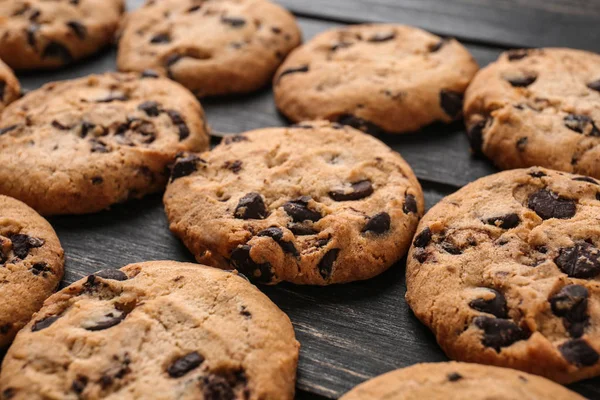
x=504 y=272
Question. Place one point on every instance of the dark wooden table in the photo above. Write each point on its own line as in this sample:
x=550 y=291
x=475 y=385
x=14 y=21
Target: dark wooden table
x=349 y=333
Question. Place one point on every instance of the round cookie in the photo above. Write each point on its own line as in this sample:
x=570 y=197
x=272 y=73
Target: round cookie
x=458 y=381
x=538 y=107
x=79 y=146
x=10 y=90
x=50 y=34
x=155 y=330
x=378 y=78
x=314 y=204
x=31 y=265
x=506 y=271
x=212 y=47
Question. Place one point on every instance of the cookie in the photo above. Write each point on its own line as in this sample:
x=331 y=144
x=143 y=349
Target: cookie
x=31 y=265
x=10 y=90
x=378 y=78
x=50 y=34
x=313 y=204
x=212 y=47
x=538 y=107
x=155 y=330
x=79 y=146
x=506 y=272
x=458 y=381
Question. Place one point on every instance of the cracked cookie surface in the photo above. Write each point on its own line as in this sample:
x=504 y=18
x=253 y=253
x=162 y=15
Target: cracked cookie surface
x=51 y=34
x=506 y=271
x=10 y=89
x=80 y=146
x=378 y=78
x=213 y=47
x=31 y=265
x=160 y=330
x=458 y=381
x=538 y=107
x=315 y=204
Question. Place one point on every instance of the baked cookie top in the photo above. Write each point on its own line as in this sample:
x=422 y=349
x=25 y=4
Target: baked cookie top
x=538 y=107
x=459 y=381
x=506 y=271
x=31 y=265
x=212 y=47
x=10 y=90
x=50 y=34
x=79 y=146
x=312 y=204
x=160 y=330
x=378 y=78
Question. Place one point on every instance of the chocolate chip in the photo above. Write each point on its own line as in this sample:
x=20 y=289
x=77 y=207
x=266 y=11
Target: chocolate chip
x=2 y=89
x=40 y=268
x=571 y=303
x=149 y=73
x=86 y=127
x=289 y=71
x=495 y=306
x=360 y=124
x=410 y=205
x=109 y=320
x=360 y=190
x=326 y=263
x=581 y=124
x=44 y=323
x=151 y=108
x=548 y=205
x=299 y=211
x=160 y=38
x=451 y=248
x=98 y=146
x=382 y=37
x=454 y=376
x=522 y=143
x=233 y=166
x=31 y=31
x=586 y=179
x=184 y=166
x=580 y=261
x=378 y=223
x=423 y=238
x=517 y=54
x=277 y=235
x=521 y=80
x=251 y=206
x=595 y=85
x=233 y=21
x=8 y=129
x=79 y=29
x=112 y=274
x=57 y=50
x=241 y=260
x=475 y=135
x=499 y=333
x=244 y=312
x=578 y=352
x=179 y=122
x=79 y=384
x=451 y=102
x=216 y=387
x=537 y=174
x=21 y=244
x=507 y=221
x=185 y=364
x=437 y=46
x=234 y=139
x=301 y=230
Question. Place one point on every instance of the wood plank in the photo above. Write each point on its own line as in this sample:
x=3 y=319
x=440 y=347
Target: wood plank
x=509 y=23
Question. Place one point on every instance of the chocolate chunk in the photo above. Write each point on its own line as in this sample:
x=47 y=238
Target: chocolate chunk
x=149 y=73
x=160 y=38
x=410 y=205
x=454 y=376
x=8 y=129
x=151 y=108
x=517 y=54
x=521 y=80
x=111 y=319
x=499 y=333
x=233 y=21
x=86 y=127
x=522 y=143
x=360 y=190
x=299 y=211
x=184 y=166
x=548 y=205
x=79 y=384
x=496 y=306
x=56 y=124
x=578 y=352
x=185 y=364
x=326 y=263
x=360 y=124
x=179 y=122
x=289 y=71
x=475 y=135
x=98 y=146
x=277 y=235
x=423 y=238
x=586 y=179
x=112 y=274
x=57 y=50
x=451 y=102
x=79 y=29
x=437 y=46
x=251 y=206
x=580 y=261
x=244 y=311
x=40 y=268
x=21 y=244
x=216 y=387
x=378 y=223
x=234 y=139
x=507 y=221
x=451 y=248
x=233 y=166
x=594 y=85
x=581 y=124
x=382 y=37
x=241 y=260
x=44 y=323
x=301 y=230
x=571 y=303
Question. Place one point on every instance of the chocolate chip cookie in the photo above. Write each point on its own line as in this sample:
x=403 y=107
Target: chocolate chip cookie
x=50 y=34
x=378 y=78
x=10 y=90
x=506 y=271
x=155 y=330
x=31 y=265
x=459 y=381
x=213 y=47
x=314 y=204
x=79 y=146
x=538 y=107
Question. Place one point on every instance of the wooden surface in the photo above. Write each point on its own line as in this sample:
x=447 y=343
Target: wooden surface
x=349 y=333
